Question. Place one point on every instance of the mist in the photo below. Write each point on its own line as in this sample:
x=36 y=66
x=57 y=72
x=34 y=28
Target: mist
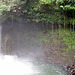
x=12 y=65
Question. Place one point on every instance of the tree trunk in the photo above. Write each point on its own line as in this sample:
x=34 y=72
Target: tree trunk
x=52 y=27
x=73 y=26
x=70 y=26
x=64 y=23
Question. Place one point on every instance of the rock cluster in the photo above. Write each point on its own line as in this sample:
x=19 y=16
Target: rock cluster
x=71 y=70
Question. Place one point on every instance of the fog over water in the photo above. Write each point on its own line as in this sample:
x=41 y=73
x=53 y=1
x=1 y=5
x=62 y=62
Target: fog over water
x=27 y=45
x=11 y=65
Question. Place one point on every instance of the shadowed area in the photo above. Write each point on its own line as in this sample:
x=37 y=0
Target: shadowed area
x=22 y=40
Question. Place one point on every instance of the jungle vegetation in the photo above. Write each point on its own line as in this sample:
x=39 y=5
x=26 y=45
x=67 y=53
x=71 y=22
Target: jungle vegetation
x=48 y=11
x=59 y=13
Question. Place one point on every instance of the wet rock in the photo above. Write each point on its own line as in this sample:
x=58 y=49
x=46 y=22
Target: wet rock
x=71 y=70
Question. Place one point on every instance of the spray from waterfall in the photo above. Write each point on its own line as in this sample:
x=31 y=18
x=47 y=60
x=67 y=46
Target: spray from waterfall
x=0 y=36
x=12 y=65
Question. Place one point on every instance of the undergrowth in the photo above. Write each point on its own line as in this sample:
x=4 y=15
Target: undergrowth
x=65 y=37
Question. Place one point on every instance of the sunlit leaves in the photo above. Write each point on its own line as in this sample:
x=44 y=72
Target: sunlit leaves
x=45 y=1
x=67 y=7
x=73 y=47
x=67 y=37
x=4 y=7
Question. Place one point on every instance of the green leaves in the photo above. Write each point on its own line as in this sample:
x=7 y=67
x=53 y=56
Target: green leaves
x=68 y=39
x=73 y=47
x=4 y=7
x=45 y=1
x=74 y=57
x=67 y=7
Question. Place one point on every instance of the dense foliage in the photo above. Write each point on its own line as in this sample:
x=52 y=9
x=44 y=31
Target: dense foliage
x=46 y=11
x=60 y=13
